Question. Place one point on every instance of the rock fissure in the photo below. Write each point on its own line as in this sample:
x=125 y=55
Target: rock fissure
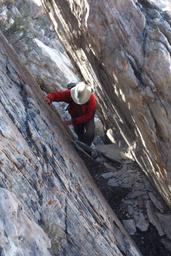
x=150 y=51
x=137 y=71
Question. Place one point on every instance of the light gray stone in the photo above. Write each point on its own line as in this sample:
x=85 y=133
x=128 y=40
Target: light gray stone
x=107 y=175
x=130 y=210
x=141 y=222
x=157 y=203
x=113 y=182
x=153 y=219
x=111 y=151
x=129 y=226
x=136 y=194
x=165 y=220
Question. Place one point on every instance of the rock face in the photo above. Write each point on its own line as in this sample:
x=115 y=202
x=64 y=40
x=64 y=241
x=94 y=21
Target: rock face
x=124 y=48
x=18 y=232
x=29 y=30
x=49 y=203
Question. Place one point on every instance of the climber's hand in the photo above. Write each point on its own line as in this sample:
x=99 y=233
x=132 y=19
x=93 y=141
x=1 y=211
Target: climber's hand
x=67 y=122
x=47 y=100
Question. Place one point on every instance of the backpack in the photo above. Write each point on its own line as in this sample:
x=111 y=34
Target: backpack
x=70 y=85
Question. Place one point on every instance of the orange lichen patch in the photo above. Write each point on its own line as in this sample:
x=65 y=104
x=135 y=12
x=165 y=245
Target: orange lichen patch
x=52 y=202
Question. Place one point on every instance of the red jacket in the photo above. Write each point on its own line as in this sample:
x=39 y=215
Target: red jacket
x=79 y=113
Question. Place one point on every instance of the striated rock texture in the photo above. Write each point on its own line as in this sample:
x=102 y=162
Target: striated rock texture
x=19 y=233
x=124 y=48
x=49 y=204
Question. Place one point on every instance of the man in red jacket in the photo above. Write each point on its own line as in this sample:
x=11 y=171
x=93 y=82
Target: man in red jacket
x=82 y=105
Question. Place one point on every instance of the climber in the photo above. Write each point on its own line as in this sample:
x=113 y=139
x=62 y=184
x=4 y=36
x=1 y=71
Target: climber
x=81 y=101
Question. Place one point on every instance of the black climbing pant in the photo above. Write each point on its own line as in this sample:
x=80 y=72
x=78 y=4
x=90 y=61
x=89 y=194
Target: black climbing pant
x=85 y=131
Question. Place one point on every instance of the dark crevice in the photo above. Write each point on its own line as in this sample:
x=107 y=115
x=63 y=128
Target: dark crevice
x=24 y=128
x=150 y=243
x=147 y=5
x=66 y=218
x=137 y=70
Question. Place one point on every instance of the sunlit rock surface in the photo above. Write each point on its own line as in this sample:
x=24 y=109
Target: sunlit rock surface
x=27 y=27
x=49 y=203
x=165 y=5
x=124 y=48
